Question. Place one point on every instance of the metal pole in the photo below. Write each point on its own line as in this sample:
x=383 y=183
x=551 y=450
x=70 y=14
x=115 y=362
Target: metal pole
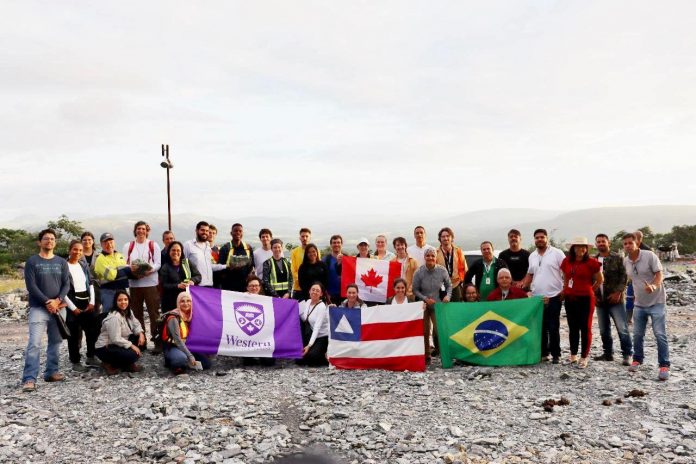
x=169 y=196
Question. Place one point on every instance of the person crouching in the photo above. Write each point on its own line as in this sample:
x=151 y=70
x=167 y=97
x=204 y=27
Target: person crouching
x=177 y=325
x=121 y=337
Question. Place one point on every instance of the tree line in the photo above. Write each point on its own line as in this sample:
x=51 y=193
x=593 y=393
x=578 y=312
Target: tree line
x=16 y=245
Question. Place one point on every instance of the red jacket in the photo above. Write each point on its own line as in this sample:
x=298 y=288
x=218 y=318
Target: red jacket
x=513 y=294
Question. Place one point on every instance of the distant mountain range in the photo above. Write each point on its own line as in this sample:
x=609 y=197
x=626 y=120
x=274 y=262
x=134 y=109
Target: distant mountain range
x=470 y=228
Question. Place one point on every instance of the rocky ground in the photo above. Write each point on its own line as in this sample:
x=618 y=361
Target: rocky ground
x=233 y=414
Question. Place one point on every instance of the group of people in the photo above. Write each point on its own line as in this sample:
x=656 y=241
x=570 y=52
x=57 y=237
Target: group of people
x=105 y=294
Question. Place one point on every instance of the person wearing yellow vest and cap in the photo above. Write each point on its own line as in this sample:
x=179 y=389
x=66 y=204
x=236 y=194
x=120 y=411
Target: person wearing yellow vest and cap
x=176 y=275
x=277 y=275
x=238 y=256
x=177 y=325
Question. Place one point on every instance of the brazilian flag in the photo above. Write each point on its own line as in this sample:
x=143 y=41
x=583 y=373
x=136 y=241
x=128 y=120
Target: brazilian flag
x=496 y=333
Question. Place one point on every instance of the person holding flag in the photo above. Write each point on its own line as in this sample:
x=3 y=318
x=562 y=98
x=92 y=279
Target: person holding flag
x=315 y=327
x=176 y=274
x=431 y=284
x=333 y=262
x=382 y=252
x=352 y=298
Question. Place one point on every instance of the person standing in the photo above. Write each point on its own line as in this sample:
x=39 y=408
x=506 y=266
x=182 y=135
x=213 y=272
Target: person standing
x=363 y=248
x=296 y=257
x=111 y=271
x=451 y=257
x=431 y=284
x=408 y=264
x=199 y=254
x=333 y=263
x=89 y=254
x=277 y=278
x=505 y=290
x=147 y=257
x=81 y=315
x=644 y=269
x=582 y=275
x=311 y=271
x=516 y=257
x=176 y=276
x=485 y=271
x=167 y=238
x=417 y=250
x=382 y=252
x=264 y=252
x=545 y=279
x=238 y=257
x=47 y=278
x=610 y=302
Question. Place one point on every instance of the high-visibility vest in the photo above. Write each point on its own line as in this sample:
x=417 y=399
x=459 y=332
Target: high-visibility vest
x=279 y=286
x=247 y=250
x=183 y=329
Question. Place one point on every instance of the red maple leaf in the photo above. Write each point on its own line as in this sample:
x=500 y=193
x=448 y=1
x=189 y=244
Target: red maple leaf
x=371 y=279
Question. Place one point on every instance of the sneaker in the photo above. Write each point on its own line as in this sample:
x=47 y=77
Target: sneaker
x=57 y=377
x=556 y=360
x=634 y=366
x=626 y=360
x=92 y=361
x=29 y=386
x=604 y=357
x=546 y=358
x=77 y=367
x=663 y=374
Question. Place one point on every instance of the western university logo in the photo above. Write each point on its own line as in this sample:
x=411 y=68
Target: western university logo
x=489 y=334
x=249 y=317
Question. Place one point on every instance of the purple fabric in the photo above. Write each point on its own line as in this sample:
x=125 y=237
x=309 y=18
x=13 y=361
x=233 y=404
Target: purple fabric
x=286 y=333
x=206 y=324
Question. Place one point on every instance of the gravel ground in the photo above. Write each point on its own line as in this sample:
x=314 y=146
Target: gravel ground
x=233 y=414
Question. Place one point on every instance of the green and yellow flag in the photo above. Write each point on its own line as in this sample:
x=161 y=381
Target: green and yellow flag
x=496 y=333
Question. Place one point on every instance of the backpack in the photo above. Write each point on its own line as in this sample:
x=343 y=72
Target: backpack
x=151 y=253
x=162 y=336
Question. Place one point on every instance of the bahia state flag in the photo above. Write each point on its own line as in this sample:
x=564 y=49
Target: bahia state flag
x=497 y=333
x=373 y=277
x=239 y=324
x=379 y=337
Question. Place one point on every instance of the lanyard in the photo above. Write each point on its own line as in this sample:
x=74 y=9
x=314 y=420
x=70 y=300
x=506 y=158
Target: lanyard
x=449 y=261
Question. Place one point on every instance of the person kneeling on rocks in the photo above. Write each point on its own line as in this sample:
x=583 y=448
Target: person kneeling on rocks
x=176 y=328
x=121 y=337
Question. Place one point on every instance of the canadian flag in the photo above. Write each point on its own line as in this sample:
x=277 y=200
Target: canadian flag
x=374 y=277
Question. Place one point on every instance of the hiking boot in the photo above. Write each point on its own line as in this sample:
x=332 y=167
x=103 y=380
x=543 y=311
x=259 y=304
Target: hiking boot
x=604 y=357
x=134 y=368
x=77 y=367
x=29 y=386
x=663 y=374
x=546 y=358
x=92 y=361
x=57 y=377
x=626 y=360
x=635 y=365
x=109 y=369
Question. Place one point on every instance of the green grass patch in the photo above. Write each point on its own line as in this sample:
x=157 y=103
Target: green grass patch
x=10 y=284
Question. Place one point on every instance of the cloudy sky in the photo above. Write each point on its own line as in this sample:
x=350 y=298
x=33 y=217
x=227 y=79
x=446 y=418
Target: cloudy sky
x=306 y=108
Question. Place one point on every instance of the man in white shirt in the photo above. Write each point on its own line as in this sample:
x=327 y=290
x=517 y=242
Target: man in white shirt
x=546 y=280
x=417 y=250
x=264 y=252
x=146 y=255
x=199 y=253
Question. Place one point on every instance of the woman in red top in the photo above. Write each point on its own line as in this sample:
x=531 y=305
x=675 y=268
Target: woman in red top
x=581 y=275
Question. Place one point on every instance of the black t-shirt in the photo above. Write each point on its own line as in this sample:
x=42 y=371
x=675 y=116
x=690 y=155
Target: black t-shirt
x=517 y=261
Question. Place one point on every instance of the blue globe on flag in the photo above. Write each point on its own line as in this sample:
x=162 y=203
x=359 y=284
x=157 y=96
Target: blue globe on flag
x=490 y=334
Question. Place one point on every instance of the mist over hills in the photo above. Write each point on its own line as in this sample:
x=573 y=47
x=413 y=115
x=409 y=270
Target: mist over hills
x=470 y=228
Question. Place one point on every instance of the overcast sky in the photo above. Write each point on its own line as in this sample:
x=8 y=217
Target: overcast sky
x=333 y=108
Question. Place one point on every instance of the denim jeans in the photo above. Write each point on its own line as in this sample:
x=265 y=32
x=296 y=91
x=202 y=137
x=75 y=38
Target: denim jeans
x=107 y=300
x=40 y=322
x=616 y=312
x=640 y=321
x=551 y=328
x=176 y=359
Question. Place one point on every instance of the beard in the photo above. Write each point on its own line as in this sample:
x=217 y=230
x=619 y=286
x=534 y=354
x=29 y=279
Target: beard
x=201 y=237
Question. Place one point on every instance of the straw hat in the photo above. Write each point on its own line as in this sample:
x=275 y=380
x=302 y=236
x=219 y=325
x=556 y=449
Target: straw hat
x=578 y=241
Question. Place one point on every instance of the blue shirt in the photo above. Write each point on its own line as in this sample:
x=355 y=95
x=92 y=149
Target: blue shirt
x=334 y=270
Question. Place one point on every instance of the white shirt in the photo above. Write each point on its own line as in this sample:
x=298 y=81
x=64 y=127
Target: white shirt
x=394 y=302
x=318 y=319
x=141 y=251
x=417 y=253
x=79 y=282
x=200 y=254
x=546 y=269
x=260 y=257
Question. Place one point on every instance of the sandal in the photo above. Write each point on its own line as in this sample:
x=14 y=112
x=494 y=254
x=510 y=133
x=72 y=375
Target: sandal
x=572 y=360
x=583 y=363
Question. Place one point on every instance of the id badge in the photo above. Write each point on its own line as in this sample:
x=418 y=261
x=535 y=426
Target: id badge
x=488 y=280
x=570 y=283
